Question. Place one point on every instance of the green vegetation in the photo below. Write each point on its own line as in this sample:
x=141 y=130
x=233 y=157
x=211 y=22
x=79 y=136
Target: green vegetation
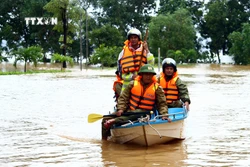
x=30 y=72
x=240 y=45
x=187 y=30
x=59 y=58
x=107 y=56
x=174 y=34
x=31 y=54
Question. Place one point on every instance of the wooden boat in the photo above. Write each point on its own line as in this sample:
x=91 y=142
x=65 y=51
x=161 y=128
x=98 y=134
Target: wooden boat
x=152 y=129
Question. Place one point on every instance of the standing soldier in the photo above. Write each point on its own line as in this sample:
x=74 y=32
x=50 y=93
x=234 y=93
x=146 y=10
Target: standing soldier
x=135 y=54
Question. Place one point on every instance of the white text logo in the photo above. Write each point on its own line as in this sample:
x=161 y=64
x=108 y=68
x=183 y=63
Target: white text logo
x=41 y=20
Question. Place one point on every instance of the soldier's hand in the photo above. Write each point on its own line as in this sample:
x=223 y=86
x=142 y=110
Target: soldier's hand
x=186 y=104
x=145 y=45
x=119 y=113
x=166 y=118
x=134 y=76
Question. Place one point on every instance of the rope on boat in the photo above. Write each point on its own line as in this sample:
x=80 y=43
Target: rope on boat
x=154 y=129
x=147 y=120
x=129 y=123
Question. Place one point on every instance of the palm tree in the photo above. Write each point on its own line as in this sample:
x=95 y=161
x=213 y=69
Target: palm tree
x=30 y=54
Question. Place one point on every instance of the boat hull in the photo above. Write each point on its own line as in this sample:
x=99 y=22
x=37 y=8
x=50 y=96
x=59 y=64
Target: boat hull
x=153 y=132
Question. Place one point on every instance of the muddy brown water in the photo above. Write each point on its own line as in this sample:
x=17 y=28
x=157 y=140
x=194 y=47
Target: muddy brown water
x=43 y=120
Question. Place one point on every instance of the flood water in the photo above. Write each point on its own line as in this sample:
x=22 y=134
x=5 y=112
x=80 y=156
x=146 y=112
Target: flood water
x=43 y=121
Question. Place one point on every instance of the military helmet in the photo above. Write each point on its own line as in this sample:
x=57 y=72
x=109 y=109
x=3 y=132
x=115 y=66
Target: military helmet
x=169 y=62
x=134 y=31
x=147 y=68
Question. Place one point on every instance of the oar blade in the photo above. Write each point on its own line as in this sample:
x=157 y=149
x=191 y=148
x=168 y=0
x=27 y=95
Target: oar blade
x=94 y=117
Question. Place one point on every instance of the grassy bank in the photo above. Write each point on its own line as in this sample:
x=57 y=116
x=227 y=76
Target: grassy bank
x=31 y=72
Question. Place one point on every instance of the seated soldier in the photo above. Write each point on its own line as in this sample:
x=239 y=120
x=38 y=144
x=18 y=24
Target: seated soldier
x=175 y=90
x=141 y=95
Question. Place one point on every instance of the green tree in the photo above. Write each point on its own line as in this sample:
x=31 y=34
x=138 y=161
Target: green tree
x=67 y=18
x=237 y=13
x=222 y=18
x=241 y=45
x=172 y=32
x=11 y=23
x=17 y=33
x=194 y=7
x=82 y=45
x=183 y=55
x=170 y=6
x=215 y=23
x=106 y=56
x=2 y=58
x=61 y=58
x=179 y=56
x=191 y=55
x=125 y=14
x=31 y=54
x=107 y=35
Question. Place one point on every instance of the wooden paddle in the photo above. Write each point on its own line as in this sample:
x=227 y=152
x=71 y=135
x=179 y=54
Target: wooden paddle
x=142 y=53
x=95 y=117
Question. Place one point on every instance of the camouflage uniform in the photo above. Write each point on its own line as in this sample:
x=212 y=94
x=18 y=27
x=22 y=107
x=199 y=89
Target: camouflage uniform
x=127 y=77
x=183 y=94
x=124 y=98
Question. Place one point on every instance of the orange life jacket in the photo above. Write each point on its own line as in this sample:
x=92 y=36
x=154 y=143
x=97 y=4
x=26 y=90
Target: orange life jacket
x=170 y=89
x=143 y=99
x=130 y=60
x=118 y=80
